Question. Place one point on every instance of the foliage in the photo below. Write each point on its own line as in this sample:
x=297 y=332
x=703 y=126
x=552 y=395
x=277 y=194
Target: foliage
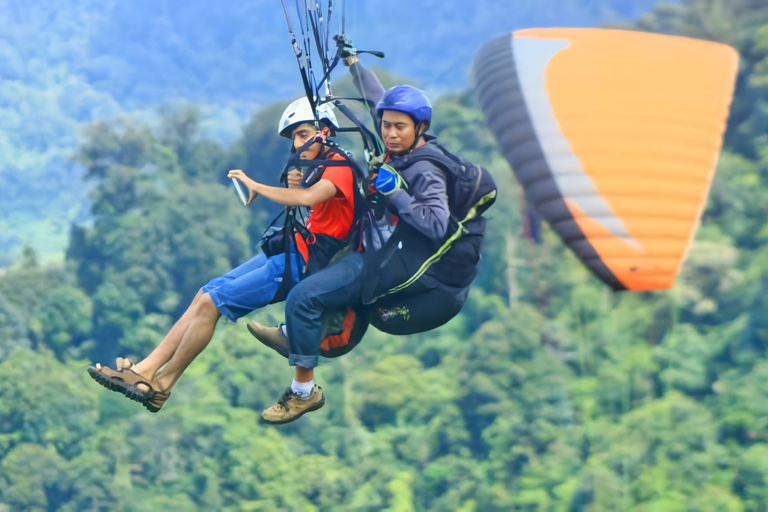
x=77 y=61
x=547 y=393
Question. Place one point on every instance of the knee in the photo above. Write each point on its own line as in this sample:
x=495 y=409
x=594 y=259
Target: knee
x=199 y=294
x=299 y=298
x=206 y=306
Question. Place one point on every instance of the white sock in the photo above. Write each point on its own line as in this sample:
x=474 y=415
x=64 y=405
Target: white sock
x=284 y=330
x=302 y=389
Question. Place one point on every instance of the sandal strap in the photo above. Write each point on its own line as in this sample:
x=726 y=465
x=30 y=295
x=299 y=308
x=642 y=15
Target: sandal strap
x=156 y=399
x=159 y=395
x=127 y=375
x=155 y=391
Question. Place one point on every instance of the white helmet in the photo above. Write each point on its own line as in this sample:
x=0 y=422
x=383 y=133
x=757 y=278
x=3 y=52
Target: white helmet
x=300 y=111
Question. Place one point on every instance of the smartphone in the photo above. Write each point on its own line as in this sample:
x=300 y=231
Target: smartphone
x=240 y=192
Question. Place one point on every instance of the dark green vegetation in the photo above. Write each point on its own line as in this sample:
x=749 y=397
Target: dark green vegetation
x=73 y=61
x=548 y=392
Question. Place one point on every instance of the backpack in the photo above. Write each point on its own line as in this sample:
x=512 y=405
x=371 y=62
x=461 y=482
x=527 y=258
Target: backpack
x=414 y=265
x=432 y=279
x=470 y=188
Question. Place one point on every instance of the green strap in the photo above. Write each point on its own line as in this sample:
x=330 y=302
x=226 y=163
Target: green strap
x=443 y=249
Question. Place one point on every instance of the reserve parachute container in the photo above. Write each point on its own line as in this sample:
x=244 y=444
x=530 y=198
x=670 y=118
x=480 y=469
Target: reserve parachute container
x=614 y=135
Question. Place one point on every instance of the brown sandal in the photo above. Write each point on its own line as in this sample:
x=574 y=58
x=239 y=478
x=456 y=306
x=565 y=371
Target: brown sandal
x=155 y=399
x=126 y=381
x=123 y=380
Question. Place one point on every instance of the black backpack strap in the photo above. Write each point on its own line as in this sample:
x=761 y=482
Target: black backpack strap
x=371 y=142
x=317 y=167
x=447 y=162
x=289 y=242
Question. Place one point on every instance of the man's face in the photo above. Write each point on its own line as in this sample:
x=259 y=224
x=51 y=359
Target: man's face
x=397 y=130
x=301 y=135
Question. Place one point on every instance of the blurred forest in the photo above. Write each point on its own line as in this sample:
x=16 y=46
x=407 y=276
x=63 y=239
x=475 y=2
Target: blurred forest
x=69 y=62
x=548 y=392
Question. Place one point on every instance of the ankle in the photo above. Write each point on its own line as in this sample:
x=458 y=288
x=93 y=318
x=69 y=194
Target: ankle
x=163 y=382
x=304 y=374
x=302 y=389
x=143 y=369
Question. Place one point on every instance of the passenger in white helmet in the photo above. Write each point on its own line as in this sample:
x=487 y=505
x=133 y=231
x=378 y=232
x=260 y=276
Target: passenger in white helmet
x=253 y=284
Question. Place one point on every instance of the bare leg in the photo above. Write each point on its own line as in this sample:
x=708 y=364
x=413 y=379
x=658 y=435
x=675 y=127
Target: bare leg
x=196 y=337
x=165 y=350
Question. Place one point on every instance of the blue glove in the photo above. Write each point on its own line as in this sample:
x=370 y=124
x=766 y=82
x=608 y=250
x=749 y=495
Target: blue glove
x=388 y=180
x=349 y=50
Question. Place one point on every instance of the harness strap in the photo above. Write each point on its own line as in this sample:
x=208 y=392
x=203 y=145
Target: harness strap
x=289 y=238
x=460 y=229
x=371 y=142
x=442 y=250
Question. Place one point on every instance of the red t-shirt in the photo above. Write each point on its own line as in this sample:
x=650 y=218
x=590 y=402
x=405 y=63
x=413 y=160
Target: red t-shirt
x=334 y=216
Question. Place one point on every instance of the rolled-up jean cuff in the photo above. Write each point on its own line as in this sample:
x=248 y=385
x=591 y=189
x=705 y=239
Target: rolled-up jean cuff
x=303 y=361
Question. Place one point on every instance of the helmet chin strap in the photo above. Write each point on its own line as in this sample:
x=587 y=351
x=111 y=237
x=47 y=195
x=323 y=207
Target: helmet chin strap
x=304 y=147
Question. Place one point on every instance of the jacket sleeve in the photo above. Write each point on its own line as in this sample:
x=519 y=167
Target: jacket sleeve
x=426 y=207
x=368 y=85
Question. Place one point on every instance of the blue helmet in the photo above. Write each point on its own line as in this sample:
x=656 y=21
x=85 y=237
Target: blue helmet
x=408 y=100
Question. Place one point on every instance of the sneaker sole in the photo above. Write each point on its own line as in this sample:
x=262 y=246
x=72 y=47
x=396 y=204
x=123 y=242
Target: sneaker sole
x=315 y=406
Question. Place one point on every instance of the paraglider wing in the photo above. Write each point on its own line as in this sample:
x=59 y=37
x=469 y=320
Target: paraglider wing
x=614 y=135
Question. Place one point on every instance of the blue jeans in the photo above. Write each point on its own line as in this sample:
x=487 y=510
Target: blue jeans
x=335 y=287
x=251 y=285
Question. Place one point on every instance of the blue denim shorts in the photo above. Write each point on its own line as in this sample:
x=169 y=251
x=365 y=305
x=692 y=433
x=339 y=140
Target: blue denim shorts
x=251 y=285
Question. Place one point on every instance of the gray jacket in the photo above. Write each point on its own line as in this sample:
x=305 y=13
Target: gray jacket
x=426 y=206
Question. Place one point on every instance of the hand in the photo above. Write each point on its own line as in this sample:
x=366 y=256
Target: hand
x=388 y=180
x=248 y=182
x=294 y=178
x=348 y=52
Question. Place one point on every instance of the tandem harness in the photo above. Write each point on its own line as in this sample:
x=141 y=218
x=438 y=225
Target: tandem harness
x=407 y=255
x=321 y=248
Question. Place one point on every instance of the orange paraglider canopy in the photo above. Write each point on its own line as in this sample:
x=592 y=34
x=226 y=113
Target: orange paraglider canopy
x=615 y=136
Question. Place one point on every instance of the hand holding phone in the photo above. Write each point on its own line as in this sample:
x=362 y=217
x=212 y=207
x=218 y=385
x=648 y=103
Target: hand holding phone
x=240 y=192
x=239 y=178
